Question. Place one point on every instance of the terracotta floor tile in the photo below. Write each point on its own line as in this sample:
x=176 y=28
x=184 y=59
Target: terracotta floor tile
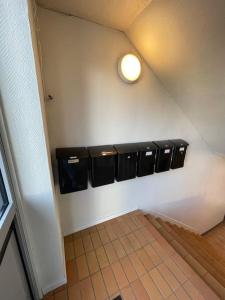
x=68 y=238
x=96 y=241
x=168 y=276
x=119 y=275
x=86 y=289
x=201 y=286
x=145 y=259
x=84 y=232
x=99 y=286
x=88 y=246
x=117 y=229
x=128 y=269
x=118 y=248
x=170 y=250
x=69 y=251
x=100 y=226
x=110 y=281
x=74 y=292
x=143 y=264
x=139 y=290
x=174 y=268
x=72 y=273
x=159 y=250
x=151 y=288
x=76 y=235
x=92 y=262
x=102 y=257
x=160 y=282
x=78 y=247
x=130 y=223
x=192 y=291
x=154 y=231
x=156 y=260
x=82 y=267
x=125 y=227
x=147 y=234
x=104 y=236
x=181 y=294
x=127 y=294
x=110 y=232
x=137 y=221
x=126 y=244
x=140 y=237
x=186 y=269
x=110 y=252
x=92 y=229
x=143 y=219
x=172 y=297
x=137 y=264
x=134 y=241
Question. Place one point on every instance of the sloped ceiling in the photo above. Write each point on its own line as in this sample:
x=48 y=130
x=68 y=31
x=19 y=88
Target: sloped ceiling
x=184 y=44
x=118 y=14
x=183 y=41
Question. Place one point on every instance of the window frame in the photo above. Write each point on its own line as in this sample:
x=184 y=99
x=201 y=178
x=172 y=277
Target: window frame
x=3 y=195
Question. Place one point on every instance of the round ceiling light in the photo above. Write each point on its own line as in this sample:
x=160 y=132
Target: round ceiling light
x=129 y=68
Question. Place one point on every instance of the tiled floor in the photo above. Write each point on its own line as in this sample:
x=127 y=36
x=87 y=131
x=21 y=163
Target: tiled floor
x=127 y=256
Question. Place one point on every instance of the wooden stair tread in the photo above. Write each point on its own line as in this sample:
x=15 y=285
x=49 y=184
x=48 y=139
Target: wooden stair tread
x=207 y=250
x=204 y=255
x=207 y=261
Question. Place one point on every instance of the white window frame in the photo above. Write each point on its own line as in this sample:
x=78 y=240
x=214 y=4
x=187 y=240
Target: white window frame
x=15 y=208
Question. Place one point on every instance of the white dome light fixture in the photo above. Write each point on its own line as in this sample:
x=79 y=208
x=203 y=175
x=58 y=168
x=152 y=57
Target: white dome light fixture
x=129 y=68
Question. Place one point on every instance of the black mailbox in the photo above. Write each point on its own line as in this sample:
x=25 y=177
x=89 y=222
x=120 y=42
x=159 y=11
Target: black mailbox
x=126 y=165
x=146 y=158
x=179 y=152
x=164 y=155
x=73 y=169
x=102 y=165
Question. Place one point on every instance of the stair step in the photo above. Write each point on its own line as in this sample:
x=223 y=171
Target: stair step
x=202 y=260
x=207 y=251
x=202 y=256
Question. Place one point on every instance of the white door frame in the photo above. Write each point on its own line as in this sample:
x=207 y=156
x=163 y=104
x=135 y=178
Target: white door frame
x=15 y=212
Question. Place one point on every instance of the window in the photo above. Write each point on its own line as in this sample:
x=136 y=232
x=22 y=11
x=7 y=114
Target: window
x=3 y=196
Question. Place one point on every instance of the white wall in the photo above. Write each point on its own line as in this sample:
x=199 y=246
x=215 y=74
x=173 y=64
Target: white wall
x=21 y=102
x=92 y=106
x=184 y=43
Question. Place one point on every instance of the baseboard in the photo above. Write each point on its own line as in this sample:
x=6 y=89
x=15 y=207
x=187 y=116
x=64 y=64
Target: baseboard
x=173 y=221
x=107 y=218
x=54 y=286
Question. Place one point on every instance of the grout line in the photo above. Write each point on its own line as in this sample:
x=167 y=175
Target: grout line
x=163 y=258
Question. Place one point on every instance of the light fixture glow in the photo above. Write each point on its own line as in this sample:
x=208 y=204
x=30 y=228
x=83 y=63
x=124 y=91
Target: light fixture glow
x=129 y=68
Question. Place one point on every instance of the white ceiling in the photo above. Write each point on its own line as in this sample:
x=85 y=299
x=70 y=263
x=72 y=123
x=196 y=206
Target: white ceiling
x=118 y=14
x=184 y=43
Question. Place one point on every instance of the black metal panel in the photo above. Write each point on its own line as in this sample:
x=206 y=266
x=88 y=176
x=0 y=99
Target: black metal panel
x=179 y=153
x=73 y=169
x=146 y=159
x=126 y=165
x=102 y=165
x=164 y=155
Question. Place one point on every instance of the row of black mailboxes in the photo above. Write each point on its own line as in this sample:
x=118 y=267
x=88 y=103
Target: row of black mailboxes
x=123 y=162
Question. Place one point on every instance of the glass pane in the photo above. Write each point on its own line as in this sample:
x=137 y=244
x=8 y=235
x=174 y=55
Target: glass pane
x=3 y=196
